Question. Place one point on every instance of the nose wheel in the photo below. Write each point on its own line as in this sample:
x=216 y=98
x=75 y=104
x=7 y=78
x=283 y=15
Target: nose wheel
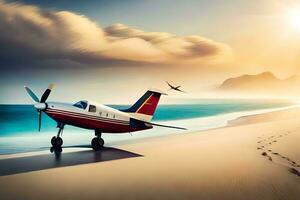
x=97 y=142
x=57 y=141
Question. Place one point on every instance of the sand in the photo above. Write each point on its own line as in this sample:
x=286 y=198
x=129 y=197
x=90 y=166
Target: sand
x=256 y=157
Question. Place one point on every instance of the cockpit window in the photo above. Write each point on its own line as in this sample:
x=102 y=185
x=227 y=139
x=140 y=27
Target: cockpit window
x=92 y=108
x=81 y=104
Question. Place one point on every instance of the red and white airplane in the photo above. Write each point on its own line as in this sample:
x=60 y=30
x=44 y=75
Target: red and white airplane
x=98 y=117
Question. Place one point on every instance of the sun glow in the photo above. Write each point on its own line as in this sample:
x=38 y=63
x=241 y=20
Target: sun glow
x=293 y=16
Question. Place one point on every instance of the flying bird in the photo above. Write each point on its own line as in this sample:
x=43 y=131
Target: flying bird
x=175 y=87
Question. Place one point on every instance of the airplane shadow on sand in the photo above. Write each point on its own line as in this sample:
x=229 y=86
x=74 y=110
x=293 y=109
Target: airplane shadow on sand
x=58 y=159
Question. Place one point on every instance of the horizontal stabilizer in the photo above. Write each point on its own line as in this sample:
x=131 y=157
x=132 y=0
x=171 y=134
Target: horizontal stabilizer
x=166 y=126
x=137 y=123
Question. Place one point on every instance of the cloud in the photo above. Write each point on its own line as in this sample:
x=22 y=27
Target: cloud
x=32 y=33
x=181 y=47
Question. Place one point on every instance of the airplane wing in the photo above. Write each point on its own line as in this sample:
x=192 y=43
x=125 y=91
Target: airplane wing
x=169 y=84
x=166 y=126
x=180 y=90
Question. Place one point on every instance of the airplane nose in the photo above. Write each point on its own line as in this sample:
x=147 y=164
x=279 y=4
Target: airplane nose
x=40 y=106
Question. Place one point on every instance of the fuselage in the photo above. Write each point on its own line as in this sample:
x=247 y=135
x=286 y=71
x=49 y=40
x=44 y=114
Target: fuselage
x=90 y=115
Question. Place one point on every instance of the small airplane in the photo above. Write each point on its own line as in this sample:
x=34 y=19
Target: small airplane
x=174 y=87
x=98 y=117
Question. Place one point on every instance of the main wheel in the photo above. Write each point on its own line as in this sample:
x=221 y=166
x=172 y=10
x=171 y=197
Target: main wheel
x=101 y=142
x=57 y=141
x=56 y=150
x=97 y=143
x=53 y=140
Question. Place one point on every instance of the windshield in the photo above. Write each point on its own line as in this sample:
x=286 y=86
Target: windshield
x=81 y=104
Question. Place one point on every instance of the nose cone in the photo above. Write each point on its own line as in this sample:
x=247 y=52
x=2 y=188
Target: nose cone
x=40 y=106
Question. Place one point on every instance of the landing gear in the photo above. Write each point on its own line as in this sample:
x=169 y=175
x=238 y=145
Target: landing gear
x=97 y=142
x=57 y=141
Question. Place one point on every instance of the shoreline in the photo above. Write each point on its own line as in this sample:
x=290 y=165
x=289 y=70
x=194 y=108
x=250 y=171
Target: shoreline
x=200 y=124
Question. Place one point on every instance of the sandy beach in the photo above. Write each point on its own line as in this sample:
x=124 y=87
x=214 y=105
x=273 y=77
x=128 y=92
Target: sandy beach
x=255 y=157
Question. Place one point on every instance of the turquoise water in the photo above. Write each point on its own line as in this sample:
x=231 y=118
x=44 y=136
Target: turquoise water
x=18 y=120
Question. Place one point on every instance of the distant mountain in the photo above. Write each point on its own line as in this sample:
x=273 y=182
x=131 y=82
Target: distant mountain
x=264 y=84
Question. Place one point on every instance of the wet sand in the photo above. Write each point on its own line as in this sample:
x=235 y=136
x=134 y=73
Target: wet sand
x=256 y=157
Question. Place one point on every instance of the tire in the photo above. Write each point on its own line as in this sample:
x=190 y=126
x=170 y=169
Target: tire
x=97 y=143
x=101 y=142
x=53 y=141
x=57 y=141
x=56 y=150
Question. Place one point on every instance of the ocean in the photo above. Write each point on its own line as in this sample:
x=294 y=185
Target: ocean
x=19 y=123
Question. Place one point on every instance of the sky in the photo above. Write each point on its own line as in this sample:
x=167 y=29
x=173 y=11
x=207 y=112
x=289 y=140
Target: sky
x=112 y=51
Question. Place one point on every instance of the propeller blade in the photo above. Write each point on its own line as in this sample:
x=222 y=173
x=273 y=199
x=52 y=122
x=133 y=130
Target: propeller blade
x=31 y=94
x=46 y=93
x=40 y=120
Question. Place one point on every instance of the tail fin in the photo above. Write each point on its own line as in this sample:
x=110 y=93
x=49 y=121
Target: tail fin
x=145 y=107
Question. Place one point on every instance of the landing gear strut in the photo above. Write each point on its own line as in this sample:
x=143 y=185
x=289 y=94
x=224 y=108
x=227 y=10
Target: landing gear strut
x=58 y=141
x=97 y=142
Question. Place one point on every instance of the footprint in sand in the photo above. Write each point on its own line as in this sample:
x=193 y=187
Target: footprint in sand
x=270 y=158
x=265 y=154
x=292 y=164
x=295 y=164
x=294 y=171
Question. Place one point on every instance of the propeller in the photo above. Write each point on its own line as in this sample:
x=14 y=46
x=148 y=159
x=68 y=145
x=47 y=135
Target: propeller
x=46 y=93
x=40 y=103
x=31 y=94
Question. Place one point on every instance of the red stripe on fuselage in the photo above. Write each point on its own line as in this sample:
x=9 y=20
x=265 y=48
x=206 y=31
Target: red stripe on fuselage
x=90 y=122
